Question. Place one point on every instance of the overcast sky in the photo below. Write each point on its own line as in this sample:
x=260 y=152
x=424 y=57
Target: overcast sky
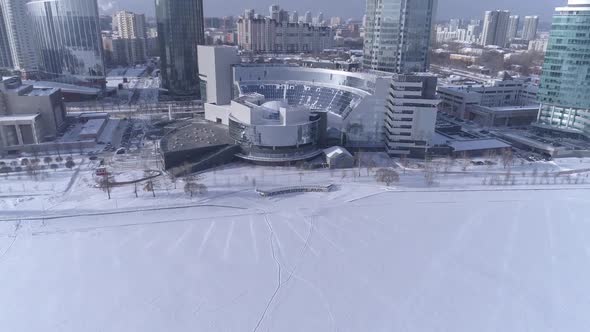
x=350 y=8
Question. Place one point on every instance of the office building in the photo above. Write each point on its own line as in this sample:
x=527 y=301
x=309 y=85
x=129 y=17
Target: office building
x=180 y=30
x=129 y=43
x=294 y=18
x=265 y=35
x=513 y=27
x=20 y=36
x=69 y=40
x=564 y=91
x=495 y=28
x=454 y=24
x=28 y=115
x=410 y=116
x=5 y=54
x=398 y=34
x=502 y=92
x=529 y=30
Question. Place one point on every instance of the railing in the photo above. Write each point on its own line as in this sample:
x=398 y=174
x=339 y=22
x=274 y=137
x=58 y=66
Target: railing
x=297 y=189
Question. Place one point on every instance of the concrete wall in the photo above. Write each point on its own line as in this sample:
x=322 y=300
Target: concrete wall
x=50 y=107
x=215 y=70
x=214 y=113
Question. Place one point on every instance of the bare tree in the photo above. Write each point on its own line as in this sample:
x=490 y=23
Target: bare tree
x=192 y=188
x=507 y=158
x=429 y=176
x=149 y=186
x=104 y=183
x=387 y=176
x=370 y=166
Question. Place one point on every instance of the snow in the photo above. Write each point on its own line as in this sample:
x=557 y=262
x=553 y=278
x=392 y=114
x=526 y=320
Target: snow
x=458 y=256
x=336 y=151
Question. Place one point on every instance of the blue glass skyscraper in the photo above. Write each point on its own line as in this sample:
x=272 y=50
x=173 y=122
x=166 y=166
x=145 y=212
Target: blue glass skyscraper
x=397 y=35
x=180 y=30
x=565 y=83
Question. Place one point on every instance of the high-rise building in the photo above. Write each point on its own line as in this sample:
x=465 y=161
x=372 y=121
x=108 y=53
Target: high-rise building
x=454 y=24
x=308 y=18
x=294 y=17
x=319 y=20
x=473 y=33
x=21 y=39
x=411 y=114
x=263 y=34
x=335 y=21
x=130 y=25
x=69 y=40
x=274 y=12
x=513 y=26
x=283 y=16
x=531 y=24
x=180 y=30
x=398 y=34
x=129 y=45
x=564 y=91
x=495 y=28
x=5 y=55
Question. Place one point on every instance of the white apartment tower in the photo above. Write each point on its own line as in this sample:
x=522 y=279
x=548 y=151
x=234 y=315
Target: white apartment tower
x=531 y=24
x=495 y=28
x=513 y=27
x=130 y=45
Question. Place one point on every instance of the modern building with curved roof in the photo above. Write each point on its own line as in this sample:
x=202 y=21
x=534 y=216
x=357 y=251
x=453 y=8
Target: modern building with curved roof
x=357 y=110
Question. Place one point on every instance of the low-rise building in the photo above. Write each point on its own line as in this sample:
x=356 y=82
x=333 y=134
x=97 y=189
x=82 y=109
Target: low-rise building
x=459 y=100
x=28 y=115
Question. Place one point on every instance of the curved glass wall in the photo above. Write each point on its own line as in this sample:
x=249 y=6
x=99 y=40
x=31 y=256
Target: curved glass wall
x=69 y=40
x=180 y=30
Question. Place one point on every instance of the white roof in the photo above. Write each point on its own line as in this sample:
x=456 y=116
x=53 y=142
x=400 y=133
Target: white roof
x=336 y=151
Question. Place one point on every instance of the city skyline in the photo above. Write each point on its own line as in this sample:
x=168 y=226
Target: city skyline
x=446 y=8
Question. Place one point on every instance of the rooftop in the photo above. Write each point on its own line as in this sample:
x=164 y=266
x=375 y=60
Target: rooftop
x=26 y=117
x=480 y=144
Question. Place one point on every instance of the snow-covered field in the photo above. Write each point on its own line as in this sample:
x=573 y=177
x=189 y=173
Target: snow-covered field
x=459 y=255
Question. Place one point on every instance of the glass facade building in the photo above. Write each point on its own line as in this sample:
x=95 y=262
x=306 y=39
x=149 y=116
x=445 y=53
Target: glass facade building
x=69 y=40
x=564 y=91
x=398 y=34
x=5 y=55
x=180 y=30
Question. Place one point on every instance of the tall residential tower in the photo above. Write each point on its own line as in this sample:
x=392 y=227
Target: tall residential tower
x=564 y=92
x=495 y=28
x=529 y=31
x=180 y=30
x=397 y=35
